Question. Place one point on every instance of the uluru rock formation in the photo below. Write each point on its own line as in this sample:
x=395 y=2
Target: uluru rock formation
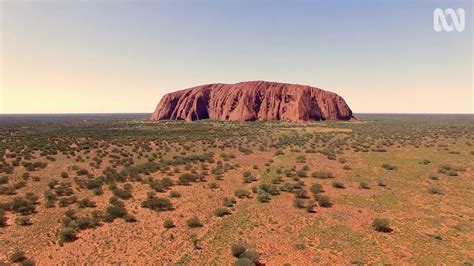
x=252 y=100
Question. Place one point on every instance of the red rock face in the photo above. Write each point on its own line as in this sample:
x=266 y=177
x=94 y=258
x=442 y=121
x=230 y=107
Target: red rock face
x=252 y=100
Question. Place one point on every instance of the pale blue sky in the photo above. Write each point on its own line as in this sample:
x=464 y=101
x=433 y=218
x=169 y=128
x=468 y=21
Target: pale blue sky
x=122 y=56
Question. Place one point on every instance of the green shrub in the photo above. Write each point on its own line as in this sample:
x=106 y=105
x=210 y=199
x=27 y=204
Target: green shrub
x=229 y=201
x=263 y=197
x=116 y=211
x=346 y=167
x=381 y=183
x=270 y=189
x=196 y=242
x=242 y=193
x=322 y=174
x=123 y=193
x=186 y=179
x=435 y=191
x=244 y=262
x=175 y=194
x=28 y=262
x=337 y=184
x=81 y=172
x=157 y=204
x=425 y=161
x=157 y=186
x=213 y=185
x=300 y=193
x=301 y=173
x=3 y=218
x=323 y=201
x=168 y=223
x=238 y=249
x=299 y=203
x=4 y=179
x=86 y=203
x=94 y=183
x=300 y=246
x=18 y=256
x=310 y=205
x=251 y=255
x=381 y=225
x=129 y=218
x=67 y=234
x=387 y=166
x=316 y=188
x=22 y=206
x=364 y=185
x=220 y=212
x=31 y=197
x=451 y=173
x=7 y=190
x=23 y=221
x=194 y=222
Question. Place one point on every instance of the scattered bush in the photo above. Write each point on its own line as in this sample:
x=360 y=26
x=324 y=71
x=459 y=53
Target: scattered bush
x=263 y=197
x=22 y=206
x=229 y=201
x=220 y=212
x=3 y=218
x=244 y=262
x=213 y=185
x=194 y=222
x=4 y=179
x=316 y=189
x=381 y=225
x=270 y=189
x=323 y=201
x=129 y=218
x=168 y=223
x=310 y=205
x=242 y=193
x=381 y=183
x=238 y=249
x=23 y=221
x=186 y=179
x=175 y=194
x=86 y=203
x=300 y=193
x=253 y=256
x=115 y=211
x=18 y=256
x=451 y=173
x=299 y=203
x=322 y=174
x=435 y=191
x=390 y=167
x=364 y=185
x=157 y=204
x=124 y=194
x=337 y=184
x=67 y=234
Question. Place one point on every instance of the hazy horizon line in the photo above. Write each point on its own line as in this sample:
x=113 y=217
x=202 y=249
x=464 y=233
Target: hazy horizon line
x=355 y=113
